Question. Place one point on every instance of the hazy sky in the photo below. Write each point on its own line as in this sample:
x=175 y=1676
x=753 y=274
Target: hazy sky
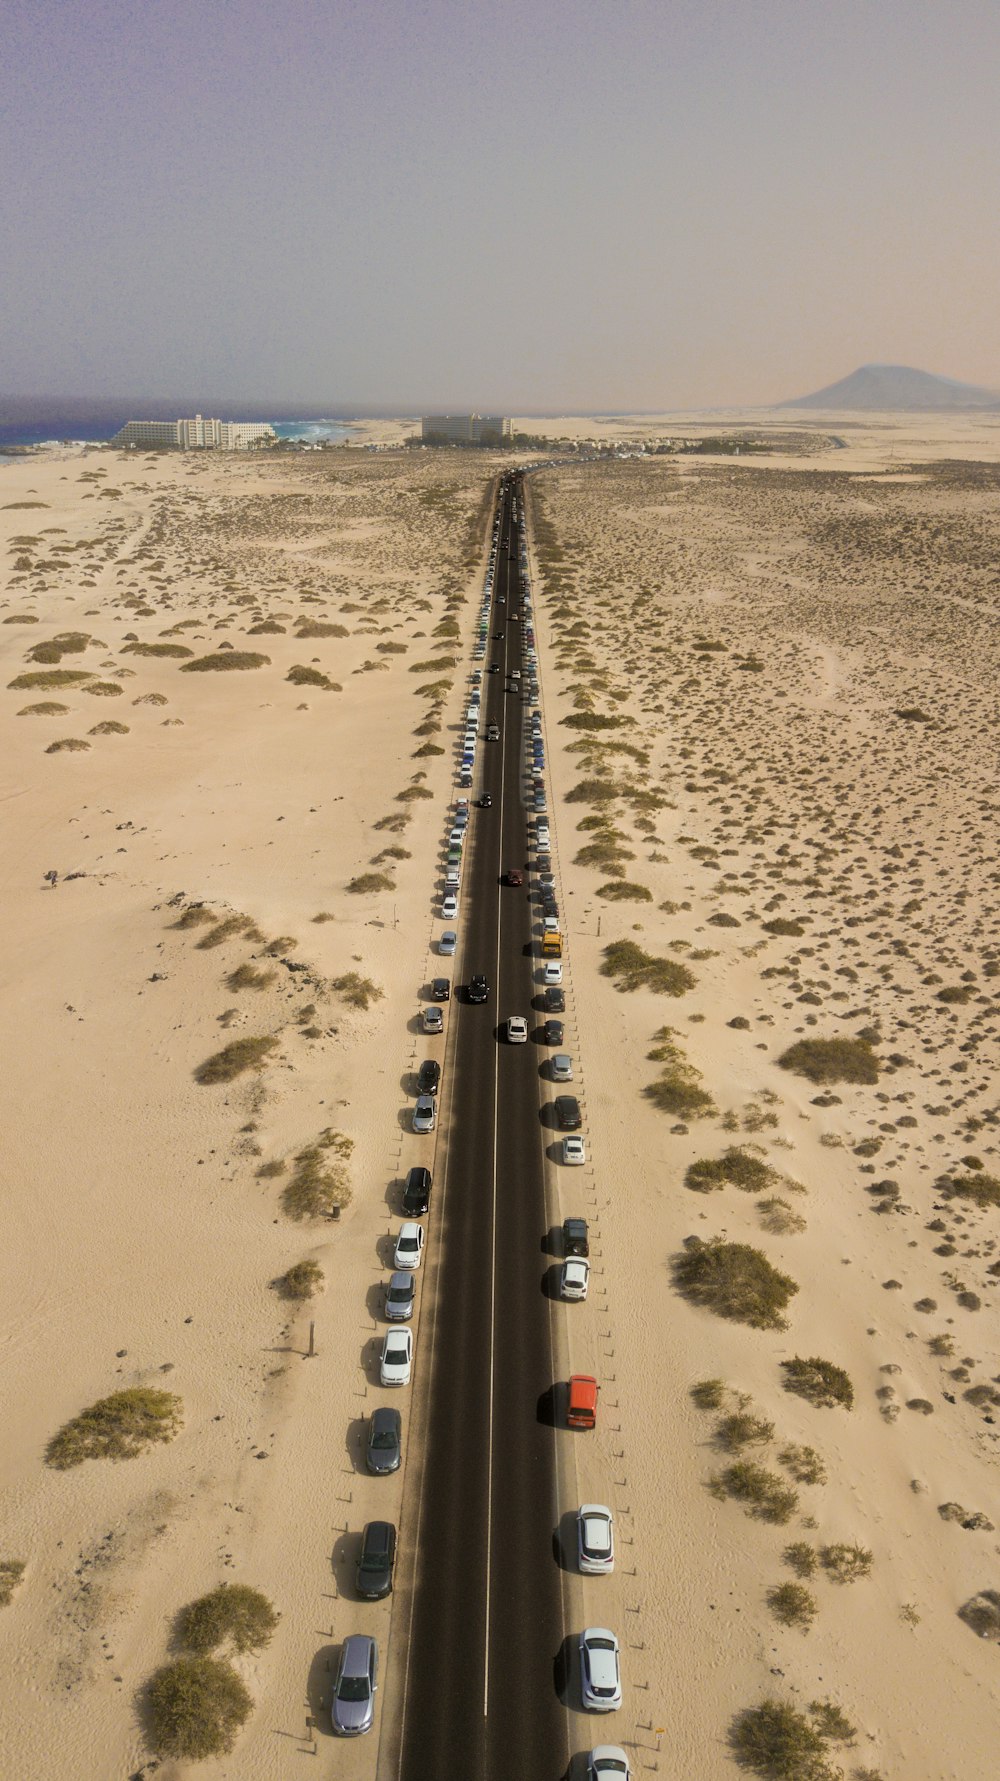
x=576 y=204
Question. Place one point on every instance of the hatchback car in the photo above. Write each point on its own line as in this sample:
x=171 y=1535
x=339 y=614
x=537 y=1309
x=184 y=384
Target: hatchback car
x=595 y=1540
x=353 y=1707
x=517 y=1030
x=608 y=1762
x=568 y=1115
x=425 y=1114
x=416 y=1192
x=440 y=987
x=400 y=1296
x=574 y=1278
x=396 y=1362
x=574 y=1152
x=478 y=990
x=409 y=1246
x=552 y=972
x=561 y=1067
x=600 y=1670
x=376 y=1560
x=449 y=906
x=554 y=1000
x=432 y=1020
x=429 y=1077
x=385 y=1442
x=552 y=1032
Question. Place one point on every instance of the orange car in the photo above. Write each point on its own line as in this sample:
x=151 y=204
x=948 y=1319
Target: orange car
x=582 y=1410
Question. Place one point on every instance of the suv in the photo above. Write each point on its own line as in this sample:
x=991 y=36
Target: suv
x=554 y=999
x=376 y=1560
x=429 y=1077
x=479 y=989
x=416 y=1192
x=568 y=1115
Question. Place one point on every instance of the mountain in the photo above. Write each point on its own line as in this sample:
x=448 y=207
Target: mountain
x=895 y=387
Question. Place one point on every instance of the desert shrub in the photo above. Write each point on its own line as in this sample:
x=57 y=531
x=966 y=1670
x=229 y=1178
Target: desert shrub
x=317 y=627
x=156 y=649
x=103 y=689
x=410 y=793
x=709 y=1394
x=793 y=1605
x=320 y=1187
x=832 y=1723
x=832 y=1060
x=734 y=1165
x=636 y=969
x=606 y=852
x=764 y=1494
x=44 y=708
x=49 y=679
x=779 y=1743
x=743 y=1429
x=590 y=720
x=250 y=977
x=195 y=1708
x=804 y=1463
x=118 y=1427
x=268 y=627
x=281 y=944
x=845 y=1564
x=593 y=791
x=735 y=1281
x=233 y=1614
x=622 y=891
x=821 y=1382
x=679 y=1095
x=226 y=661
x=11 y=1572
x=782 y=924
x=358 y=991
x=193 y=916
x=109 y=728
x=224 y=930
x=303 y=676
x=980 y=1188
x=801 y=1557
x=151 y=699
x=233 y=1060
x=302 y=1280
x=778 y=1217
x=982 y=1614
x=68 y=745
x=371 y=881
x=394 y=823
x=426 y=750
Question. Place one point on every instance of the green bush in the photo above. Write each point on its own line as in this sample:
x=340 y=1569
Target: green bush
x=320 y=1185
x=801 y=1557
x=793 y=1605
x=316 y=627
x=735 y=1281
x=367 y=882
x=779 y=1743
x=249 y=977
x=982 y=1189
x=227 y=929
x=832 y=1060
x=590 y=720
x=68 y=745
x=735 y=1165
x=48 y=679
x=709 y=1394
x=764 y=1494
x=624 y=892
x=196 y=1706
x=302 y=676
x=11 y=1572
x=233 y=1060
x=819 y=1381
x=156 y=649
x=303 y=1280
x=226 y=661
x=358 y=991
x=119 y=1427
x=783 y=925
x=233 y=1614
x=744 y=1429
x=636 y=969
x=804 y=1463
x=844 y=1563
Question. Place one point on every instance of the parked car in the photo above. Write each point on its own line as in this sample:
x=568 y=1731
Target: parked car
x=595 y=1540
x=552 y=971
x=449 y=906
x=424 y=1114
x=385 y=1441
x=575 y=1237
x=416 y=1192
x=574 y=1278
x=440 y=988
x=397 y=1357
x=376 y=1560
x=608 y=1762
x=552 y=1032
x=453 y=877
x=353 y=1707
x=554 y=1000
x=432 y=1020
x=479 y=989
x=562 y=1067
x=581 y=1411
x=517 y=1030
x=574 y=1151
x=409 y=1246
x=600 y=1670
x=400 y=1297
x=429 y=1077
x=568 y=1115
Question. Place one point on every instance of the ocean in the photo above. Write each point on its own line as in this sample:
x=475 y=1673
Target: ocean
x=51 y=424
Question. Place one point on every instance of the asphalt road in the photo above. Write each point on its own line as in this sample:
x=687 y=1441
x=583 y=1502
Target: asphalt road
x=478 y=1701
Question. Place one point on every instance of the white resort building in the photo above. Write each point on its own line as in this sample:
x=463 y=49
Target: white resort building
x=195 y=435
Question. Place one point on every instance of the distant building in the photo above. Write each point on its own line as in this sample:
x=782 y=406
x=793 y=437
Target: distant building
x=464 y=429
x=194 y=435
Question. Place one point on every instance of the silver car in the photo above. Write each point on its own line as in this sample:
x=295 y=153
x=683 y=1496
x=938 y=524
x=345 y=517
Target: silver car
x=353 y=1707
x=425 y=1114
x=561 y=1067
x=399 y=1297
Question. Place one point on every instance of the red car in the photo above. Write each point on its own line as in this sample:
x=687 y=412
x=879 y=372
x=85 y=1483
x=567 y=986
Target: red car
x=515 y=878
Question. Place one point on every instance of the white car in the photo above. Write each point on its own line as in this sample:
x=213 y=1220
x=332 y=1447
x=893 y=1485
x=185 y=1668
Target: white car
x=433 y=1020
x=574 y=1277
x=517 y=1030
x=574 y=1151
x=457 y=837
x=553 y=971
x=447 y=943
x=453 y=878
x=595 y=1540
x=449 y=906
x=551 y=924
x=425 y=1114
x=409 y=1246
x=608 y=1762
x=600 y=1670
x=396 y=1364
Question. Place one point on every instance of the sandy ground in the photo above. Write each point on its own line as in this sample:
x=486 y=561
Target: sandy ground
x=760 y=631
x=140 y=1242
x=774 y=779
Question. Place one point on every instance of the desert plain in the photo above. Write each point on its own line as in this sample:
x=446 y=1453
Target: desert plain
x=770 y=703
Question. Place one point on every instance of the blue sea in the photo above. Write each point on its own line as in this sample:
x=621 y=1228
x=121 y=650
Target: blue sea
x=51 y=424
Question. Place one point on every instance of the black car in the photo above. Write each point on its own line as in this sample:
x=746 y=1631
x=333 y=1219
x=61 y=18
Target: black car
x=479 y=989
x=576 y=1240
x=385 y=1442
x=553 y=1032
x=416 y=1192
x=553 y=1000
x=376 y=1560
x=485 y=802
x=429 y=1077
x=543 y=862
x=568 y=1115
x=494 y=667
x=440 y=989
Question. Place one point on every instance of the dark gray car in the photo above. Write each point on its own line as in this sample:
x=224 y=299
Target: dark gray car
x=376 y=1561
x=385 y=1442
x=353 y=1707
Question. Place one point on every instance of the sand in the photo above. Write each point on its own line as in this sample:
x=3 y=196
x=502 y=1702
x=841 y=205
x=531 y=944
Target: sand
x=848 y=584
